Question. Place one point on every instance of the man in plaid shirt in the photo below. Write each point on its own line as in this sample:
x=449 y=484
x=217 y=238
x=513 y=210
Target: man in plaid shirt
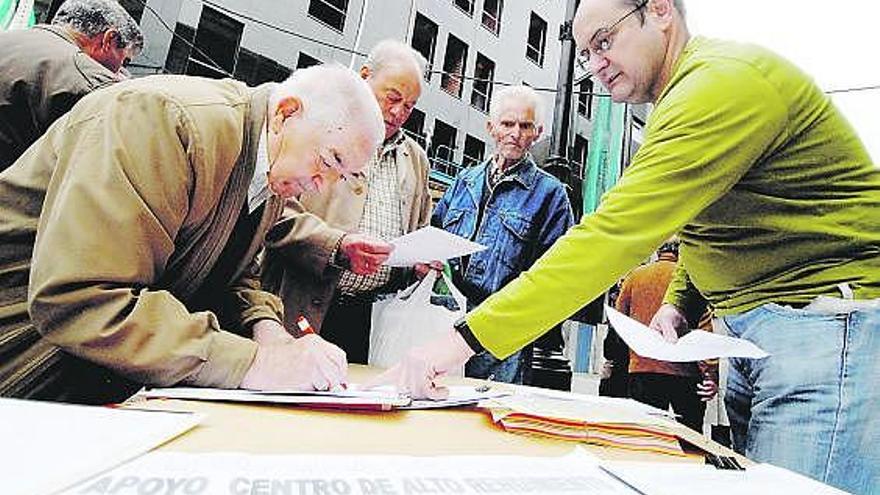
x=325 y=257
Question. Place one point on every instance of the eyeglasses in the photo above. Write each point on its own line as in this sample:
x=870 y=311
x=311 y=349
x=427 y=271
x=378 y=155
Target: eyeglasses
x=603 y=38
x=355 y=181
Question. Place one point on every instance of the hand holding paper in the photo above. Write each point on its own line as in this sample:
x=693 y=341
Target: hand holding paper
x=695 y=346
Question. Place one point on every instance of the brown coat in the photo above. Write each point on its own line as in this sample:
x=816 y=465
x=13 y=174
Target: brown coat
x=122 y=214
x=43 y=73
x=298 y=265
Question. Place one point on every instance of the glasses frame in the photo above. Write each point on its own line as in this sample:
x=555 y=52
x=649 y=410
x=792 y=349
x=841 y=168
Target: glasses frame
x=583 y=57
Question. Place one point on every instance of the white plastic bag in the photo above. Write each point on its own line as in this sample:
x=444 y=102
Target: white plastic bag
x=409 y=319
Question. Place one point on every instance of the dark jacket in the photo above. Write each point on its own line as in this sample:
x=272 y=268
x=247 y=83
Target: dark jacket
x=521 y=219
x=42 y=74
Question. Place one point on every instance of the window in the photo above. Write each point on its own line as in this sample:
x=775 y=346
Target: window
x=585 y=98
x=135 y=9
x=424 y=41
x=492 y=15
x=484 y=72
x=467 y=6
x=178 y=52
x=474 y=149
x=217 y=39
x=453 y=66
x=579 y=156
x=330 y=12
x=537 y=39
x=415 y=126
x=305 y=60
x=443 y=148
x=255 y=69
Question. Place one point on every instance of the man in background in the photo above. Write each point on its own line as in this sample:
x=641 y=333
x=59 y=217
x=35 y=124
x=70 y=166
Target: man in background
x=684 y=386
x=46 y=69
x=510 y=206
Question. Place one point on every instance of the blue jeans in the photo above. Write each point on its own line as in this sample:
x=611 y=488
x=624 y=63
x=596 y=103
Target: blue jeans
x=813 y=406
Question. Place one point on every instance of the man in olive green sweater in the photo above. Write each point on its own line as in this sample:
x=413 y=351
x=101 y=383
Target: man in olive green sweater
x=777 y=204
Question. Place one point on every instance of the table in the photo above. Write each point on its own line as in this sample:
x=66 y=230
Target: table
x=271 y=429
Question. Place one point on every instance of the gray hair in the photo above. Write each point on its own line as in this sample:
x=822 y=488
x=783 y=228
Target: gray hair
x=392 y=53
x=678 y=4
x=335 y=97
x=517 y=93
x=94 y=17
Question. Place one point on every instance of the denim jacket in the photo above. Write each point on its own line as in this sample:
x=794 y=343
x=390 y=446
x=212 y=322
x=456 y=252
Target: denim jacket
x=523 y=217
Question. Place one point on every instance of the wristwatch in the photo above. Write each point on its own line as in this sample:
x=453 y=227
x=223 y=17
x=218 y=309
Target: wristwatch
x=461 y=326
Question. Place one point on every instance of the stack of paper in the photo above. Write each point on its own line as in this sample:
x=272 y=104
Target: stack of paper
x=601 y=421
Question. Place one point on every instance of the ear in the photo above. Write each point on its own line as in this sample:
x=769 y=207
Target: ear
x=287 y=107
x=365 y=72
x=489 y=126
x=538 y=131
x=110 y=40
x=663 y=10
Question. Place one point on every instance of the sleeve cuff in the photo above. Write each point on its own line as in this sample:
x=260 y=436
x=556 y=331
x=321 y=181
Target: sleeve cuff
x=229 y=357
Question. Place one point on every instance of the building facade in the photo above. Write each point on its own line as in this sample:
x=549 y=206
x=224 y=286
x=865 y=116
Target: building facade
x=472 y=47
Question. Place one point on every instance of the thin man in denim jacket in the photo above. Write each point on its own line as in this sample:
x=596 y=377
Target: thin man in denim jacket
x=509 y=205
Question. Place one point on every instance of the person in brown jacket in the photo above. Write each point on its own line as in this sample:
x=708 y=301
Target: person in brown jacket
x=325 y=257
x=128 y=234
x=45 y=70
x=684 y=386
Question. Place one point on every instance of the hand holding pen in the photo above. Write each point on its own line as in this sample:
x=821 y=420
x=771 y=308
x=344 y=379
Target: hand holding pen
x=305 y=363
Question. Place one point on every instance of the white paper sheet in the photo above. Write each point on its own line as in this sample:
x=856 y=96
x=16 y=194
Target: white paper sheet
x=429 y=244
x=700 y=479
x=238 y=473
x=694 y=346
x=48 y=447
x=354 y=397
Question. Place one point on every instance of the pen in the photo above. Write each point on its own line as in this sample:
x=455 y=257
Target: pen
x=304 y=326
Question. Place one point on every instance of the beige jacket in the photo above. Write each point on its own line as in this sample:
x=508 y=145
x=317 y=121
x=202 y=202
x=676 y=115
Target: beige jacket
x=298 y=265
x=140 y=187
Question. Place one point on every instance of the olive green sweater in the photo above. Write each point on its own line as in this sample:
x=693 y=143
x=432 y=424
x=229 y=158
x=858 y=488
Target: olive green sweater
x=774 y=196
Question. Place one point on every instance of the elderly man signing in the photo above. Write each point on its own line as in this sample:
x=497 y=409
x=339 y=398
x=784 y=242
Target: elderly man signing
x=509 y=205
x=45 y=70
x=138 y=216
x=325 y=257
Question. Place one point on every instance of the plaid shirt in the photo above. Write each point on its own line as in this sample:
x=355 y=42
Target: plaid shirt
x=496 y=173
x=382 y=217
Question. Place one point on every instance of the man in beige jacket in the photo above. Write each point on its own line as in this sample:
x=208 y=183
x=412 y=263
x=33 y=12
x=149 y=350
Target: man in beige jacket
x=129 y=231
x=325 y=258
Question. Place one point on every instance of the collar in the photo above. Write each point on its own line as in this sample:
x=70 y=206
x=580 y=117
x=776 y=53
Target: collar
x=61 y=33
x=258 y=190
x=391 y=144
x=524 y=171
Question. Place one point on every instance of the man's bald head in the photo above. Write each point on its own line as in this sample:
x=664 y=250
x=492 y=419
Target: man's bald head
x=394 y=72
